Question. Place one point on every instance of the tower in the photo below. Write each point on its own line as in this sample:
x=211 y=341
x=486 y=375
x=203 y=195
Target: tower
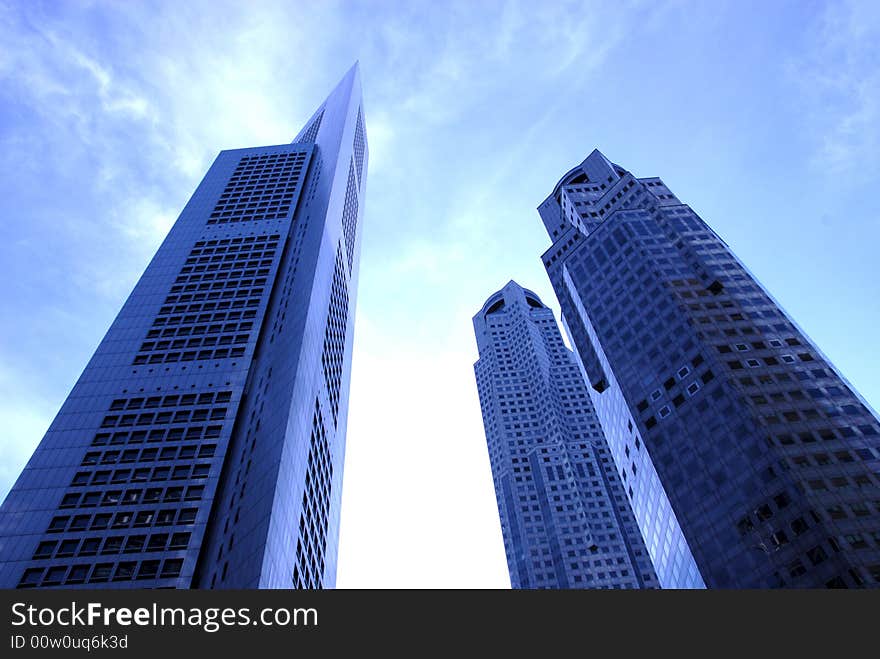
x=203 y=444
x=760 y=462
x=564 y=515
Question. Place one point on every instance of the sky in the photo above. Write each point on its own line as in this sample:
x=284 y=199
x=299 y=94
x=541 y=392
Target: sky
x=763 y=116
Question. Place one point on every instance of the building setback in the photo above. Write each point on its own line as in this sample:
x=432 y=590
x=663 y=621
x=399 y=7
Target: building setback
x=565 y=519
x=203 y=444
x=748 y=460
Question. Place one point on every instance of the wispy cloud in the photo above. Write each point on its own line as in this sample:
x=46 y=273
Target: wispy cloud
x=111 y=112
x=133 y=101
x=109 y=115
x=840 y=83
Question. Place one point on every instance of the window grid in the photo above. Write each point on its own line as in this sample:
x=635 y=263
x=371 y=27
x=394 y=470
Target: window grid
x=136 y=492
x=231 y=272
x=262 y=187
x=359 y=144
x=333 y=353
x=311 y=132
x=312 y=543
x=349 y=215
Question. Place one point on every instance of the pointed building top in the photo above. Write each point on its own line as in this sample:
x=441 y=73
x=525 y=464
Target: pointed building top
x=345 y=89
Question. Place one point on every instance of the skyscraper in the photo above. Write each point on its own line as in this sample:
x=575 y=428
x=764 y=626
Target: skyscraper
x=749 y=461
x=203 y=444
x=564 y=515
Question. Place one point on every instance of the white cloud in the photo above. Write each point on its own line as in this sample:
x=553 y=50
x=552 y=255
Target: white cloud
x=133 y=117
x=418 y=505
x=461 y=100
x=840 y=84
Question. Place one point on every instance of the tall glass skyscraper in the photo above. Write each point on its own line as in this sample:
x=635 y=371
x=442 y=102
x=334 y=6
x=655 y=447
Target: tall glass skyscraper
x=748 y=460
x=203 y=444
x=565 y=518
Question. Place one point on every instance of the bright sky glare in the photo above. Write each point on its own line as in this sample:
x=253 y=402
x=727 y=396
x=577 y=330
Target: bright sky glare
x=763 y=116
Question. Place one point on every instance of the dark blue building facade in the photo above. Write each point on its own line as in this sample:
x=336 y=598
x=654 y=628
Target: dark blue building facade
x=565 y=518
x=748 y=460
x=203 y=445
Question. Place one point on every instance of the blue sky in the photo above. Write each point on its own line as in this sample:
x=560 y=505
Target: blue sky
x=763 y=116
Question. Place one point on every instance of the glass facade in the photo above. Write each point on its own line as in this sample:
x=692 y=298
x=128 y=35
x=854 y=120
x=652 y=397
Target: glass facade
x=565 y=518
x=758 y=463
x=203 y=444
